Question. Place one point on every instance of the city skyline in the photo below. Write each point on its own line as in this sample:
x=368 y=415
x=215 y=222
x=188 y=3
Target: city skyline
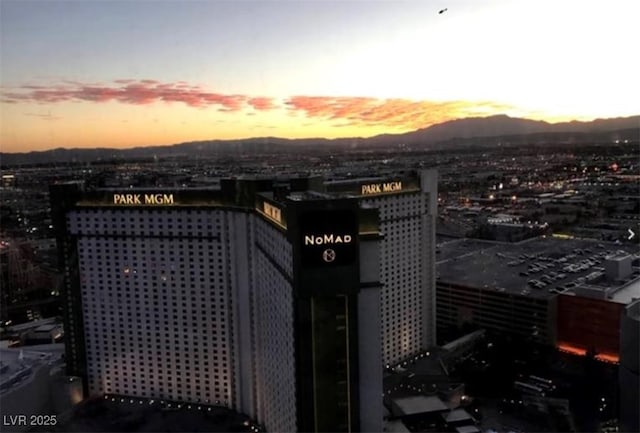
x=126 y=74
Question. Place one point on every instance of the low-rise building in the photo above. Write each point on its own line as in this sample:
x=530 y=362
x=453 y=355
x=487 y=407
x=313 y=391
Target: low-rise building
x=569 y=293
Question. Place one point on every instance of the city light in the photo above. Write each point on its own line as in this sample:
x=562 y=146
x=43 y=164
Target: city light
x=145 y=277
x=605 y=357
x=572 y=350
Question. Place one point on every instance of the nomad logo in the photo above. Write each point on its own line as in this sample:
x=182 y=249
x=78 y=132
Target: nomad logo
x=379 y=188
x=153 y=199
x=327 y=239
x=328 y=255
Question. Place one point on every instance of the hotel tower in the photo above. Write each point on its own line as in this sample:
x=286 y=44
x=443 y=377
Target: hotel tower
x=279 y=298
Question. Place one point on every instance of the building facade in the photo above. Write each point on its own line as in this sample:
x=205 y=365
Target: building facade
x=629 y=370
x=264 y=295
x=529 y=318
x=408 y=211
x=539 y=289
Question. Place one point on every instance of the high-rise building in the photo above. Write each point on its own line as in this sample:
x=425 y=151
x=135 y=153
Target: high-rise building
x=273 y=297
x=408 y=208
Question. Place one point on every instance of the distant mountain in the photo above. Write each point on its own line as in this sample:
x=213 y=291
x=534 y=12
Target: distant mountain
x=502 y=125
x=483 y=131
x=478 y=127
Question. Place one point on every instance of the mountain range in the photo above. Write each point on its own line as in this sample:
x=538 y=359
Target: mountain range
x=476 y=131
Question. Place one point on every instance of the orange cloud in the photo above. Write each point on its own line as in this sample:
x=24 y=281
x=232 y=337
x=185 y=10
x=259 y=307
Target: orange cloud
x=338 y=111
x=401 y=113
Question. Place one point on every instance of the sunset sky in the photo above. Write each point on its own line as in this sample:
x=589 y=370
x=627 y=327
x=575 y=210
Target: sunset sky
x=93 y=73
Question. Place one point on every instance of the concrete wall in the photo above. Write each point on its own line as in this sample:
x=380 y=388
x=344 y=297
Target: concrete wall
x=629 y=370
x=370 y=340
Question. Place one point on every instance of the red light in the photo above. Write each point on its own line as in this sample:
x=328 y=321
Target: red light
x=608 y=357
x=572 y=350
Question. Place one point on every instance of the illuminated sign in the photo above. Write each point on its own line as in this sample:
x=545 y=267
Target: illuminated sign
x=329 y=255
x=380 y=188
x=272 y=212
x=143 y=199
x=328 y=238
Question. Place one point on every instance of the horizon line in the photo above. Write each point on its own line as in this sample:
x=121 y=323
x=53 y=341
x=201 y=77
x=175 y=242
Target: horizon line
x=273 y=137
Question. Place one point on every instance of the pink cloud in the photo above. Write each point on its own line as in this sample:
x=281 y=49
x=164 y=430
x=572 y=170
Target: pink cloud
x=261 y=103
x=339 y=111
x=141 y=92
x=401 y=113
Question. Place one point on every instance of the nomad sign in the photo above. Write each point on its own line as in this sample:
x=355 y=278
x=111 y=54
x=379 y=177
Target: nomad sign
x=380 y=188
x=143 y=199
x=328 y=238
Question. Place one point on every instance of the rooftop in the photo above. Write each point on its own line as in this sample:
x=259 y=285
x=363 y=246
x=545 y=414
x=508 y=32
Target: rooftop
x=457 y=415
x=395 y=426
x=308 y=195
x=467 y=429
x=419 y=404
x=628 y=293
x=47 y=328
x=32 y=325
x=18 y=363
x=618 y=255
x=539 y=267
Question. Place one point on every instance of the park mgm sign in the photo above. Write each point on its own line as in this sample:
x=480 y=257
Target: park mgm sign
x=271 y=212
x=374 y=186
x=380 y=188
x=151 y=198
x=143 y=199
